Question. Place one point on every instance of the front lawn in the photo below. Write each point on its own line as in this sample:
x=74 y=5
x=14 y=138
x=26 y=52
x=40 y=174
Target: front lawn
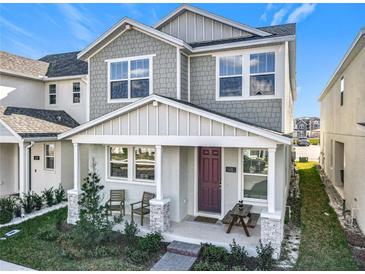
x=26 y=248
x=323 y=242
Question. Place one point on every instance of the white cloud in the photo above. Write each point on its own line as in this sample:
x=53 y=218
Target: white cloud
x=133 y=10
x=301 y=12
x=268 y=7
x=279 y=15
x=14 y=28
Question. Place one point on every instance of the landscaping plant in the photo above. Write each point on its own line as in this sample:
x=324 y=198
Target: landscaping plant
x=130 y=233
x=27 y=203
x=38 y=201
x=6 y=209
x=59 y=194
x=17 y=208
x=264 y=257
x=48 y=195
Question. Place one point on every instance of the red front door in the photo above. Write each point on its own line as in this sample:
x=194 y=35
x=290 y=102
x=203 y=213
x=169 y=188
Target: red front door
x=209 y=190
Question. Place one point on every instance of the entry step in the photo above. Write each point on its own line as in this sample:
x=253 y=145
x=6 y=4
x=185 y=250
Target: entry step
x=174 y=262
x=183 y=248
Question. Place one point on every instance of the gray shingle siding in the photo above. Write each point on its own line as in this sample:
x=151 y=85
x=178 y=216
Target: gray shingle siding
x=129 y=44
x=184 y=77
x=266 y=113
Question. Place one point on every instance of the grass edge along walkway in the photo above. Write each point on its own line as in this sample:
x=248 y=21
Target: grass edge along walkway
x=323 y=242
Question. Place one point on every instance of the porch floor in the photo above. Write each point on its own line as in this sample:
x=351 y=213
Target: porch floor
x=191 y=231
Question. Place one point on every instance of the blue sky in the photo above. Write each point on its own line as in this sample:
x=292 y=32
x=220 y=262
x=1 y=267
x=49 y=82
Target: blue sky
x=324 y=32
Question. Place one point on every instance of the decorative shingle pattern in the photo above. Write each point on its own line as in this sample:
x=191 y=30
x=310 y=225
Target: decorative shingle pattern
x=21 y=65
x=28 y=122
x=65 y=64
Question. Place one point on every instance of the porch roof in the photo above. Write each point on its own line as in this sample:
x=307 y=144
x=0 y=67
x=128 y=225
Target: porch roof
x=202 y=116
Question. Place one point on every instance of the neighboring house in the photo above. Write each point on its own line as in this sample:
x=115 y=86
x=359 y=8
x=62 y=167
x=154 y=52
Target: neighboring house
x=197 y=110
x=343 y=129
x=307 y=127
x=300 y=128
x=38 y=100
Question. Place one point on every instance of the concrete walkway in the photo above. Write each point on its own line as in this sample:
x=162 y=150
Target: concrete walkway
x=5 y=266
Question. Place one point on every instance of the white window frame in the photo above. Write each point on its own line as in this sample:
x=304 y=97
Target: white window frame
x=129 y=59
x=251 y=201
x=246 y=53
x=135 y=164
x=262 y=73
x=45 y=156
x=109 y=162
x=76 y=92
x=52 y=94
x=229 y=76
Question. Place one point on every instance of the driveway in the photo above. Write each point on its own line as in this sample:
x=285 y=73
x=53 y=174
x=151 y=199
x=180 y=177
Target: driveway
x=312 y=152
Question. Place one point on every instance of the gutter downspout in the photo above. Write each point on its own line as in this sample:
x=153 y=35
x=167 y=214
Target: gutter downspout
x=28 y=165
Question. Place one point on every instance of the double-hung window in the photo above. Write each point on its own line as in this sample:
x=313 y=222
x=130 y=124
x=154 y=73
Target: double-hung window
x=255 y=170
x=230 y=76
x=76 y=92
x=118 y=162
x=49 y=156
x=130 y=78
x=144 y=163
x=52 y=94
x=262 y=74
x=342 y=90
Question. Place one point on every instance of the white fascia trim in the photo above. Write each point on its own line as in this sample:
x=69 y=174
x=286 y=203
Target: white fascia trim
x=138 y=25
x=249 y=43
x=16 y=135
x=47 y=79
x=255 y=130
x=40 y=139
x=212 y=16
x=339 y=67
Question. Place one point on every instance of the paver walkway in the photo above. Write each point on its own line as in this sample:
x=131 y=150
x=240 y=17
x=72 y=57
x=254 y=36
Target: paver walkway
x=180 y=256
x=5 y=266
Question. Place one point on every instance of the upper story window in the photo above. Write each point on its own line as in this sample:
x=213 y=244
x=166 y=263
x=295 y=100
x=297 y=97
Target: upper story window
x=230 y=76
x=342 y=90
x=130 y=78
x=49 y=156
x=52 y=94
x=262 y=74
x=76 y=93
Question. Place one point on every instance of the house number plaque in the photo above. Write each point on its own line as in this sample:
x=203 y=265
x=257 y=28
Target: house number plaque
x=231 y=169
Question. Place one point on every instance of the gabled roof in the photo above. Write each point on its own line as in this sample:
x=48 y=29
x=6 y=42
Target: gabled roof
x=30 y=123
x=270 y=134
x=205 y=13
x=18 y=65
x=352 y=52
x=64 y=64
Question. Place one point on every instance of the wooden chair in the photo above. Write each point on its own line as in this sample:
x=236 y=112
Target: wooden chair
x=144 y=208
x=117 y=201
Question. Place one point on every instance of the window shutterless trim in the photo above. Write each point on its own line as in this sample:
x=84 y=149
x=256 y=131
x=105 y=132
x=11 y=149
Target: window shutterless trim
x=110 y=161
x=263 y=74
x=45 y=157
x=135 y=164
x=76 y=92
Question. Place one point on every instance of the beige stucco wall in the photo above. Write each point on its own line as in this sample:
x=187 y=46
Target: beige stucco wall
x=20 y=92
x=339 y=124
x=8 y=169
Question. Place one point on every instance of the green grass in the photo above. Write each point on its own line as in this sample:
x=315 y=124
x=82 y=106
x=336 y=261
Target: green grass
x=314 y=141
x=26 y=249
x=323 y=244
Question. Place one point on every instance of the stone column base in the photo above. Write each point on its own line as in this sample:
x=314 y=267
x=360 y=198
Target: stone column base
x=73 y=206
x=272 y=231
x=159 y=215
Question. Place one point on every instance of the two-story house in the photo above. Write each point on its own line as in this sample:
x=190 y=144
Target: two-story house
x=38 y=100
x=198 y=110
x=343 y=129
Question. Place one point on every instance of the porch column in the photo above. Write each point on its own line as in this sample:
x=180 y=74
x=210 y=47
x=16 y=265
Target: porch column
x=271 y=181
x=21 y=167
x=159 y=207
x=74 y=194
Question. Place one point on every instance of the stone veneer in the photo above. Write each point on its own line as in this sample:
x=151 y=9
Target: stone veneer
x=272 y=231
x=73 y=206
x=159 y=215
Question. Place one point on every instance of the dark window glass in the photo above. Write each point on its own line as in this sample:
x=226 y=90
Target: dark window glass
x=52 y=94
x=76 y=87
x=76 y=98
x=118 y=162
x=139 y=88
x=255 y=187
x=255 y=161
x=342 y=98
x=50 y=163
x=262 y=84
x=145 y=163
x=119 y=90
x=140 y=68
x=262 y=62
x=230 y=86
x=52 y=99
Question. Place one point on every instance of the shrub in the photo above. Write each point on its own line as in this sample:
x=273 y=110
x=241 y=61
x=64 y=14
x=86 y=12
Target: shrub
x=48 y=195
x=37 y=201
x=150 y=243
x=27 y=203
x=17 y=209
x=212 y=254
x=264 y=257
x=6 y=209
x=130 y=233
x=136 y=256
x=59 y=194
x=207 y=266
x=238 y=255
x=48 y=233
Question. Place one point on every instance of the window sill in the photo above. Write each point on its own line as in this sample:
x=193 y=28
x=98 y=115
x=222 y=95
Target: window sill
x=255 y=202
x=127 y=182
x=247 y=98
x=131 y=100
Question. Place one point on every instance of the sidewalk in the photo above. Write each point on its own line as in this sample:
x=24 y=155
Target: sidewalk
x=5 y=266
